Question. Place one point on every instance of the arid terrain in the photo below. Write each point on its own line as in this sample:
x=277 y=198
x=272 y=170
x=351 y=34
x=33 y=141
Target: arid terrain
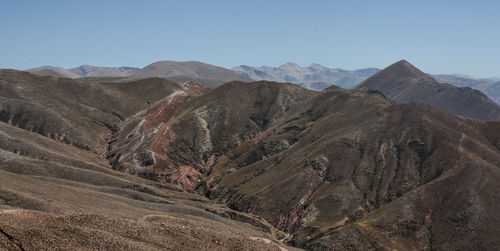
x=190 y=156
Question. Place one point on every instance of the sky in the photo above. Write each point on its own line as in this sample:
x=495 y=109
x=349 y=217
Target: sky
x=436 y=36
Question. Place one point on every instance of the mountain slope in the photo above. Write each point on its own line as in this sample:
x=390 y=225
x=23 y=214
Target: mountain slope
x=402 y=82
x=177 y=140
x=336 y=169
x=315 y=76
x=71 y=111
x=330 y=168
x=56 y=196
x=58 y=191
x=348 y=165
x=192 y=69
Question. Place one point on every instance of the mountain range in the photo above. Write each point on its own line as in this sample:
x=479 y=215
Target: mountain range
x=141 y=162
x=318 y=77
x=315 y=76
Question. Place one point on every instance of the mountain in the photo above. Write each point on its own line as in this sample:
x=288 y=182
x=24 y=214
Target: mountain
x=337 y=169
x=72 y=111
x=83 y=71
x=177 y=140
x=152 y=164
x=490 y=87
x=403 y=83
x=95 y=71
x=315 y=76
x=53 y=71
x=191 y=69
x=58 y=190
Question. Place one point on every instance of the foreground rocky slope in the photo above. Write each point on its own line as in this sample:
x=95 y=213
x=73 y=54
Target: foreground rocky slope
x=57 y=196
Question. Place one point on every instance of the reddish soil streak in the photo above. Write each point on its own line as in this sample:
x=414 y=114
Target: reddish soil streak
x=163 y=113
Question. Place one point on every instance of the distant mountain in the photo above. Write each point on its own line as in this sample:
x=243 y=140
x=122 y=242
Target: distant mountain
x=95 y=71
x=49 y=73
x=53 y=71
x=489 y=86
x=315 y=76
x=83 y=71
x=402 y=83
x=191 y=69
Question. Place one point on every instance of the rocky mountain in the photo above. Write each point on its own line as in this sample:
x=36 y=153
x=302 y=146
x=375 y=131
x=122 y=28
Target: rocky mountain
x=152 y=164
x=315 y=76
x=404 y=83
x=191 y=69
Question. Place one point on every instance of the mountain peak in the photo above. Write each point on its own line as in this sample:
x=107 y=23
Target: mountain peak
x=316 y=66
x=403 y=69
x=290 y=66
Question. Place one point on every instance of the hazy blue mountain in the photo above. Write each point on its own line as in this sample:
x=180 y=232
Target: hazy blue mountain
x=315 y=76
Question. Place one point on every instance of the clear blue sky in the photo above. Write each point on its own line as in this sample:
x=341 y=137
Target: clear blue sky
x=436 y=36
